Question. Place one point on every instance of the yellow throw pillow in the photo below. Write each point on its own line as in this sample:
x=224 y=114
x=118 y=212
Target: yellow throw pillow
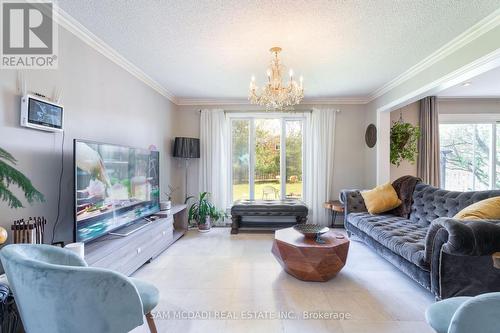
x=381 y=199
x=487 y=209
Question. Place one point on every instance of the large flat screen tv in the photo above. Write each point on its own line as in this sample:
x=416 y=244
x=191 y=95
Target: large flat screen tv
x=114 y=186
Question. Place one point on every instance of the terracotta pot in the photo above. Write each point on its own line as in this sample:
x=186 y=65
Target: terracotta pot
x=204 y=226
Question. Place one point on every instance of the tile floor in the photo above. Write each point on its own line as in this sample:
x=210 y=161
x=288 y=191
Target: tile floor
x=236 y=275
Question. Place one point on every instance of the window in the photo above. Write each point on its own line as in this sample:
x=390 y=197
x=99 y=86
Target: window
x=266 y=157
x=240 y=134
x=470 y=153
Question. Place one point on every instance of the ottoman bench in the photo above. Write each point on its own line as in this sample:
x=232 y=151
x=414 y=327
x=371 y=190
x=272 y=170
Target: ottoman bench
x=267 y=214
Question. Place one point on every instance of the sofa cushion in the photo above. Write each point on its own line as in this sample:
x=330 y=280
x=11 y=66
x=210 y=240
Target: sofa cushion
x=430 y=202
x=487 y=209
x=398 y=234
x=381 y=199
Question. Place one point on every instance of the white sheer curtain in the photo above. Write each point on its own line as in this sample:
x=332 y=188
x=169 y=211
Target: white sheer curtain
x=319 y=164
x=213 y=173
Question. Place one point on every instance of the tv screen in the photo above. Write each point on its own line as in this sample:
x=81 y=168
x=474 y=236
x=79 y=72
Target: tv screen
x=114 y=186
x=44 y=114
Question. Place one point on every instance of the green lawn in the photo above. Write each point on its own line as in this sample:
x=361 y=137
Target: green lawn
x=241 y=191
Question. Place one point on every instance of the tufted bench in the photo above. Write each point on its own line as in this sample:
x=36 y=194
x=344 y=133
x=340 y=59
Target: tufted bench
x=267 y=214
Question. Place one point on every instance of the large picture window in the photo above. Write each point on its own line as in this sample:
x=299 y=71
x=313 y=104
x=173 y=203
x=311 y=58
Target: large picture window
x=470 y=152
x=267 y=157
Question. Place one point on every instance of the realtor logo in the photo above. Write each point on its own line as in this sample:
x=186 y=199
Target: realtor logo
x=29 y=35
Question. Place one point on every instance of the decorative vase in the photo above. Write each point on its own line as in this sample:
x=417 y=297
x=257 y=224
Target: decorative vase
x=165 y=205
x=204 y=226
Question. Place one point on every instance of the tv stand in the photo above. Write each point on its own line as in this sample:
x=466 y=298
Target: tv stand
x=131 y=228
x=127 y=254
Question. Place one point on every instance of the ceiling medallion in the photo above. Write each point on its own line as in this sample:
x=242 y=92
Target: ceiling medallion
x=274 y=95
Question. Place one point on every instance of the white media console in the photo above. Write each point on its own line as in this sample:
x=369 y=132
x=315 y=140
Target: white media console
x=127 y=254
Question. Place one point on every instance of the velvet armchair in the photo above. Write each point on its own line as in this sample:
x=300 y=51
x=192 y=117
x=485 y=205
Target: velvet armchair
x=480 y=314
x=56 y=291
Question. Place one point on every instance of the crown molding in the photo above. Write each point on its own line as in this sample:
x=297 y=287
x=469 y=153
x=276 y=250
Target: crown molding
x=489 y=22
x=495 y=99
x=69 y=23
x=472 y=69
x=72 y=25
x=336 y=100
x=212 y=101
x=237 y=101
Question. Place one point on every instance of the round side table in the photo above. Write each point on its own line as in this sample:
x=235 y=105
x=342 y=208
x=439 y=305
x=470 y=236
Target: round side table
x=496 y=259
x=335 y=206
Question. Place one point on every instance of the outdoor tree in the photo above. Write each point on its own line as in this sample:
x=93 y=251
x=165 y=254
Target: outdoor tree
x=267 y=153
x=241 y=154
x=267 y=145
x=466 y=148
x=294 y=152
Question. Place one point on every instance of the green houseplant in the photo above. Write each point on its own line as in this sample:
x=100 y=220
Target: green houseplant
x=404 y=141
x=10 y=175
x=203 y=212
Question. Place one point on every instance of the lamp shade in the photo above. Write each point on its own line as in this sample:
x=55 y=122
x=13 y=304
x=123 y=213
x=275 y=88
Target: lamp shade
x=187 y=147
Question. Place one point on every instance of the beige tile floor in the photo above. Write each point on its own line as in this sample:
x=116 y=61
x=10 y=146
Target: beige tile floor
x=237 y=274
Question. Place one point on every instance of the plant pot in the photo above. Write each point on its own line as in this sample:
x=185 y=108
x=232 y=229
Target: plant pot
x=204 y=226
x=165 y=205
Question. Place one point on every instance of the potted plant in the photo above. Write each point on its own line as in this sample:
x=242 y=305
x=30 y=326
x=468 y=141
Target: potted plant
x=10 y=175
x=404 y=142
x=167 y=204
x=204 y=212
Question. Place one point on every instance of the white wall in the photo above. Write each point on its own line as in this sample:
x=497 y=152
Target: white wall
x=349 y=168
x=410 y=115
x=469 y=106
x=445 y=106
x=456 y=65
x=102 y=102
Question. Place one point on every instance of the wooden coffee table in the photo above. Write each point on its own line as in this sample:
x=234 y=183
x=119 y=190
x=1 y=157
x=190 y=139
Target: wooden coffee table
x=308 y=260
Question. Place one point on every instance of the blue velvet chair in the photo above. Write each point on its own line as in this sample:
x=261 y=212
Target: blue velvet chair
x=55 y=291
x=480 y=314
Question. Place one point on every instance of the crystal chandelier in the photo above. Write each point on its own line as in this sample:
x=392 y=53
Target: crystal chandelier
x=274 y=94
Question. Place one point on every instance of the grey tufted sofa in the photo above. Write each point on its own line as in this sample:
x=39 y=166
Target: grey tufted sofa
x=448 y=257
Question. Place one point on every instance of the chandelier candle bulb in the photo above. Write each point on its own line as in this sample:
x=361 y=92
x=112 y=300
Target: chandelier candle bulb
x=275 y=94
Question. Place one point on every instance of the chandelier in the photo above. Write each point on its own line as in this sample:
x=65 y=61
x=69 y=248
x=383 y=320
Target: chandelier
x=274 y=94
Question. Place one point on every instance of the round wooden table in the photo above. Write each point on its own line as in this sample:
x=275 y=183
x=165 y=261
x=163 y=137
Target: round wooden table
x=308 y=260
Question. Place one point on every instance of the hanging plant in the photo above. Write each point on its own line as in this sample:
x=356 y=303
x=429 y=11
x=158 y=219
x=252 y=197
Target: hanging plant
x=404 y=141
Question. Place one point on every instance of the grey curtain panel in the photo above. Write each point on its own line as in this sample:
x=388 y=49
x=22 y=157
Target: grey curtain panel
x=428 y=144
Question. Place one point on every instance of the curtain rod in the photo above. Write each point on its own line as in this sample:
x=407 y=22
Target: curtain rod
x=262 y=111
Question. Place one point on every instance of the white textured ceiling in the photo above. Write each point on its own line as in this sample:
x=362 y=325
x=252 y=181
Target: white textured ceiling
x=209 y=49
x=484 y=85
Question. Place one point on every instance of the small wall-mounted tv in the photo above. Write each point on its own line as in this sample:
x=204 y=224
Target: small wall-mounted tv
x=39 y=113
x=114 y=186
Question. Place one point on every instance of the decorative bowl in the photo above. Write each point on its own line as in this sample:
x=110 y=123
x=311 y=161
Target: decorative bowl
x=311 y=230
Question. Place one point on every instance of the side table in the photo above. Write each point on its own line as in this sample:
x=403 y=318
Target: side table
x=335 y=206
x=496 y=259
